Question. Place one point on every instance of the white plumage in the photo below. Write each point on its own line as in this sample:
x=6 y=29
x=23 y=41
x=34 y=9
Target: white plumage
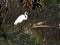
x=21 y=18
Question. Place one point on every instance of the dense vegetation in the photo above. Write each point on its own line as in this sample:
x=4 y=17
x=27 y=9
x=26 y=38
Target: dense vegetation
x=23 y=34
x=58 y=1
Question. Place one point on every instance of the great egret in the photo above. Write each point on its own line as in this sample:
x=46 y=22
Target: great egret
x=21 y=18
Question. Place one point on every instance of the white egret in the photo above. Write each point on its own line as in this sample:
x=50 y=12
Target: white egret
x=21 y=18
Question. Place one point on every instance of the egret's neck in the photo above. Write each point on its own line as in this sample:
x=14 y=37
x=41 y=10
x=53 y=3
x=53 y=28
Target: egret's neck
x=26 y=17
x=25 y=14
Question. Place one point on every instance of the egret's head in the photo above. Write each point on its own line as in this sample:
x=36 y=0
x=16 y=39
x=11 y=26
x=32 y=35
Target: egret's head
x=26 y=13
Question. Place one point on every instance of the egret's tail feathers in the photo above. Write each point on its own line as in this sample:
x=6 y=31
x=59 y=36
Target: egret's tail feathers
x=15 y=23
